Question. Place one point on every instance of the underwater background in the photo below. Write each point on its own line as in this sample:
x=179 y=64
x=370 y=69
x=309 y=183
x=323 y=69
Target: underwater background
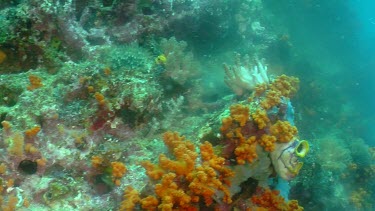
x=187 y=105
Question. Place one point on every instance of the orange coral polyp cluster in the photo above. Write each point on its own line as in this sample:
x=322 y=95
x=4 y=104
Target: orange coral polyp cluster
x=271 y=200
x=100 y=98
x=286 y=85
x=30 y=133
x=170 y=193
x=267 y=142
x=215 y=161
x=118 y=169
x=272 y=98
x=240 y=113
x=246 y=151
x=131 y=198
x=153 y=171
x=183 y=151
x=260 y=118
x=226 y=124
x=149 y=203
x=282 y=86
x=35 y=82
x=260 y=89
x=96 y=161
x=194 y=181
x=234 y=126
x=283 y=131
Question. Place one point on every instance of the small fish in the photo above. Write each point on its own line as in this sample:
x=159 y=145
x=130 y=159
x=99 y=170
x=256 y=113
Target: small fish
x=161 y=59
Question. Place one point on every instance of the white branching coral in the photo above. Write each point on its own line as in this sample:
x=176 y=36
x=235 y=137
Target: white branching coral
x=243 y=78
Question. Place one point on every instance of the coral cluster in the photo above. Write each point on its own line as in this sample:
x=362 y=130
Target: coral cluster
x=183 y=183
x=267 y=199
x=282 y=86
x=245 y=133
x=264 y=124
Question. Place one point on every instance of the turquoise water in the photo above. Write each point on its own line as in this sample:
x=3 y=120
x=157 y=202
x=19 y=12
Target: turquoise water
x=126 y=105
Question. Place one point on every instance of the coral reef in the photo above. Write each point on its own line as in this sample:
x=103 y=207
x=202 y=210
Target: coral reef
x=90 y=92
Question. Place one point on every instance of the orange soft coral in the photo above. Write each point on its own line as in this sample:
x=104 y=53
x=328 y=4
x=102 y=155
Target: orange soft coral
x=31 y=133
x=272 y=201
x=215 y=161
x=183 y=151
x=286 y=85
x=272 y=98
x=204 y=182
x=260 y=118
x=226 y=124
x=16 y=143
x=260 y=89
x=118 y=171
x=171 y=193
x=282 y=86
x=245 y=148
x=182 y=184
x=131 y=198
x=240 y=113
x=97 y=161
x=246 y=151
x=219 y=173
x=149 y=203
x=267 y=142
x=152 y=170
x=283 y=131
